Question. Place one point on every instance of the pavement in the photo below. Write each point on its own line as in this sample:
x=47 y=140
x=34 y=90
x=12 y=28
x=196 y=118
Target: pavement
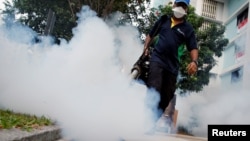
x=167 y=137
x=46 y=133
x=53 y=133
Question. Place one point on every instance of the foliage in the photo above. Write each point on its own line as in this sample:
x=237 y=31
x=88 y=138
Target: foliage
x=35 y=13
x=211 y=42
x=10 y=119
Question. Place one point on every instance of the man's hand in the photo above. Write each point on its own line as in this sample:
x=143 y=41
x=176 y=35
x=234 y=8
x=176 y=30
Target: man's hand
x=192 y=68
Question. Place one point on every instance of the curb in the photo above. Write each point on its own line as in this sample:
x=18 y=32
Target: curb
x=46 y=133
x=53 y=133
x=190 y=138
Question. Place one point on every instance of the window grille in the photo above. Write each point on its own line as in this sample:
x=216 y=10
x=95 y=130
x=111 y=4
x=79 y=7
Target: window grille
x=209 y=9
x=205 y=25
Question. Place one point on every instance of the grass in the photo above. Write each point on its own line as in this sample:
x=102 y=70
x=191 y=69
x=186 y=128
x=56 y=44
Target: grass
x=10 y=119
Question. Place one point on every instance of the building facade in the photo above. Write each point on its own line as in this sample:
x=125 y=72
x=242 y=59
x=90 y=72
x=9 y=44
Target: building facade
x=234 y=62
x=233 y=67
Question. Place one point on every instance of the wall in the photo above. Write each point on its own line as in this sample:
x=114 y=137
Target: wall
x=235 y=53
x=246 y=69
x=234 y=5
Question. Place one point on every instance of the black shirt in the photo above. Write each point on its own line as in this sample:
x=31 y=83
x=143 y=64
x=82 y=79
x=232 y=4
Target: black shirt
x=166 y=49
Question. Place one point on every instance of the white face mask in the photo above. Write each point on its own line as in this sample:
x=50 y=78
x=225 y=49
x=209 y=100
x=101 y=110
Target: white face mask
x=179 y=12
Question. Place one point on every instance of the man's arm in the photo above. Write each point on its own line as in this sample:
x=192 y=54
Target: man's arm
x=193 y=65
x=146 y=45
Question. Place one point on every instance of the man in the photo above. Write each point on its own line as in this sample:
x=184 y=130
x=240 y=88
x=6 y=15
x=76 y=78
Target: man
x=173 y=31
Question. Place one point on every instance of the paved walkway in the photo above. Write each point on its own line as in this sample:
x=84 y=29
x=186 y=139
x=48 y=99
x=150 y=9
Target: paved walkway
x=52 y=133
x=167 y=137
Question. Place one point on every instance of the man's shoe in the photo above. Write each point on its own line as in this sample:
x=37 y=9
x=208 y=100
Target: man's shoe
x=164 y=124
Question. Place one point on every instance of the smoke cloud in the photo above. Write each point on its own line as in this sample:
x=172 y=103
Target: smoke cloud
x=85 y=84
x=225 y=105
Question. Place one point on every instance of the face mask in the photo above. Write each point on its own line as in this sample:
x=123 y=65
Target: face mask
x=179 y=12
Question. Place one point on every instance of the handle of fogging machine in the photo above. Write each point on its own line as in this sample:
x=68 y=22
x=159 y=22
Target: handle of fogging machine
x=135 y=72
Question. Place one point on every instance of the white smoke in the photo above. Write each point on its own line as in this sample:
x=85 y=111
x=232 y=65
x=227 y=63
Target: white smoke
x=214 y=105
x=84 y=84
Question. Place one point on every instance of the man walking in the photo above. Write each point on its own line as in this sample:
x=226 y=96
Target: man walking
x=173 y=32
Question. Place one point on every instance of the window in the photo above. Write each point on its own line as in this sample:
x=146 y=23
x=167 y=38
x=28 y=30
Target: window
x=205 y=25
x=240 y=45
x=236 y=75
x=212 y=11
x=209 y=9
x=242 y=18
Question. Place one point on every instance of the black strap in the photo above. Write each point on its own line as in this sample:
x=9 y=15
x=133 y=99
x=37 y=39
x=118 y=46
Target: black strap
x=162 y=20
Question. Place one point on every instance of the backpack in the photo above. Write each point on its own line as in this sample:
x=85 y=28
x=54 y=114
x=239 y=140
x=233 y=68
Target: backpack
x=140 y=69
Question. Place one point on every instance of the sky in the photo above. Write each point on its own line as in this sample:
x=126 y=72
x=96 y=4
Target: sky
x=1 y=4
x=85 y=84
x=156 y=3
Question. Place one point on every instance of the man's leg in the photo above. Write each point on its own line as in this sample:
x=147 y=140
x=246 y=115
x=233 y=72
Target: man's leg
x=169 y=112
x=154 y=84
x=167 y=102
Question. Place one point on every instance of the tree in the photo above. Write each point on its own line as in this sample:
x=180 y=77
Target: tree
x=8 y=13
x=211 y=42
x=34 y=13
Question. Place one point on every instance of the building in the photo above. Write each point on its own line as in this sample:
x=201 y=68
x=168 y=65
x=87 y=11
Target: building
x=234 y=63
x=233 y=68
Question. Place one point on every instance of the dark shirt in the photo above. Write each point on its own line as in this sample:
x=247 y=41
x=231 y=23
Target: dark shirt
x=166 y=49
